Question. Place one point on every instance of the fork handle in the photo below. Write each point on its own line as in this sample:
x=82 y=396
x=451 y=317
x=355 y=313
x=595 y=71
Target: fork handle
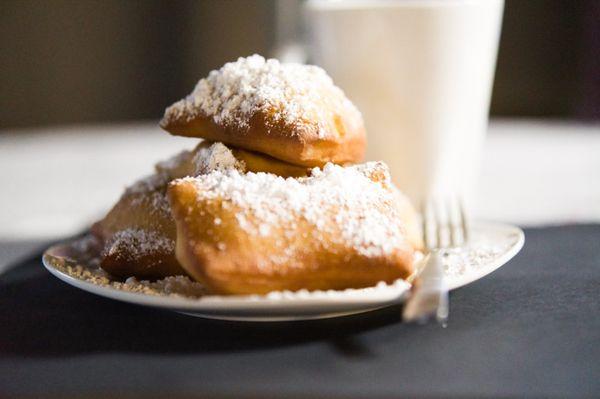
x=431 y=295
x=437 y=283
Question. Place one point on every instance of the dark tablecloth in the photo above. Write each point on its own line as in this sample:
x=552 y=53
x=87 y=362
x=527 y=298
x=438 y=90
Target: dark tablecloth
x=531 y=329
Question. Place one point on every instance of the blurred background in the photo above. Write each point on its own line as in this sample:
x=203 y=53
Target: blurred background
x=84 y=83
x=73 y=62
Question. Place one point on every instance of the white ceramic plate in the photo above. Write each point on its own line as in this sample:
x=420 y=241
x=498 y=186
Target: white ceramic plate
x=491 y=246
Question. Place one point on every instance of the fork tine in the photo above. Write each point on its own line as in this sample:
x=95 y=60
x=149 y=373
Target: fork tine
x=452 y=224
x=463 y=221
x=438 y=223
x=428 y=220
x=424 y=231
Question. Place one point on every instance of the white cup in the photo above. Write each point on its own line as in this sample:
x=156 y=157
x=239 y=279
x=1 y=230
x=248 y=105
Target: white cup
x=421 y=72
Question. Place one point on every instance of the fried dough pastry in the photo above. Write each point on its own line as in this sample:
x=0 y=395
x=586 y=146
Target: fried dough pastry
x=255 y=162
x=138 y=234
x=291 y=112
x=341 y=227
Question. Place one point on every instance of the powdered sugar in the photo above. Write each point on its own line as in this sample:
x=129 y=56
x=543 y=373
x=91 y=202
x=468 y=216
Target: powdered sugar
x=203 y=159
x=479 y=252
x=137 y=243
x=355 y=205
x=215 y=157
x=294 y=94
x=178 y=286
x=151 y=190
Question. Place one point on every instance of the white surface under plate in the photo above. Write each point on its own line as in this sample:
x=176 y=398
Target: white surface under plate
x=491 y=246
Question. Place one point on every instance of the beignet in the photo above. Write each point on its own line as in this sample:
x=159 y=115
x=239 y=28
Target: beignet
x=138 y=234
x=342 y=227
x=292 y=112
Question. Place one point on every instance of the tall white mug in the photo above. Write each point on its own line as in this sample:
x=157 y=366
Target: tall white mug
x=421 y=72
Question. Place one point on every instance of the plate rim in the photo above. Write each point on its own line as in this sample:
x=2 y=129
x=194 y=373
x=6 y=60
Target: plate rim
x=212 y=305
x=501 y=260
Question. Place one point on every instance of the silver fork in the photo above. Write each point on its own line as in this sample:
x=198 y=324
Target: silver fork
x=444 y=226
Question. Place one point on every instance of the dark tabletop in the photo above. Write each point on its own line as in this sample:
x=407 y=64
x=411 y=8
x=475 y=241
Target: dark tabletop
x=530 y=329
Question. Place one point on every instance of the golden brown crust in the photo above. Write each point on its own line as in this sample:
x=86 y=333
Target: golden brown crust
x=216 y=251
x=139 y=236
x=290 y=112
x=344 y=144
x=255 y=162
